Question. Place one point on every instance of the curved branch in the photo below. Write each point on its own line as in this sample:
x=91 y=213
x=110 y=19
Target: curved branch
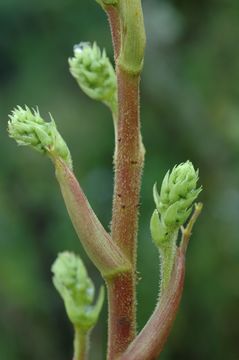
x=98 y=244
x=150 y=341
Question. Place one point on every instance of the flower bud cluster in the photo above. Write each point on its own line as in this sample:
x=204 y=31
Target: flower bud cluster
x=77 y=290
x=94 y=73
x=28 y=128
x=178 y=192
x=174 y=203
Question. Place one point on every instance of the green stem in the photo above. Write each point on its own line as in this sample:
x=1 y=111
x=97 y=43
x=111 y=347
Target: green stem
x=131 y=54
x=81 y=344
x=167 y=259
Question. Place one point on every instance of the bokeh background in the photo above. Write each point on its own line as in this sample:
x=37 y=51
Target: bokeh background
x=190 y=110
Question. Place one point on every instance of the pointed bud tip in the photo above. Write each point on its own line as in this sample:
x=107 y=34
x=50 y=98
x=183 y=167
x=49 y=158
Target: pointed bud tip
x=27 y=128
x=77 y=290
x=94 y=73
x=178 y=192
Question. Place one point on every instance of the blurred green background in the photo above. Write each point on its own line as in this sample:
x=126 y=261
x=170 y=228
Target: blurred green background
x=190 y=110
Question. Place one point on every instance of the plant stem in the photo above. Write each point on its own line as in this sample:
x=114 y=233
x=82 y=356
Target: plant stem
x=105 y=254
x=128 y=166
x=121 y=300
x=128 y=169
x=81 y=345
x=167 y=258
x=150 y=341
x=114 y=21
x=126 y=22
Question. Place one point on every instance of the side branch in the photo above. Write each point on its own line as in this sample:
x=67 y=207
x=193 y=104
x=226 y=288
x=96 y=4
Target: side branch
x=150 y=341
x=105 y=254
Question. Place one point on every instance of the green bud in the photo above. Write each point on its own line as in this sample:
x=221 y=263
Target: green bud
x=28 y=128
x=158 y=230
x=77 y=290
x=173 y=207
x=178 y=192
x=94 y=73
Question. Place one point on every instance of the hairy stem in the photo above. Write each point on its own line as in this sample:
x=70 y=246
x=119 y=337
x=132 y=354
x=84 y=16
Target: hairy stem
x=124 y=18
x=105 y=254
x=150 y=341
x=167 y=257
x=128 y=168
x=81 y=345
x=114 y=21
x=121 y=298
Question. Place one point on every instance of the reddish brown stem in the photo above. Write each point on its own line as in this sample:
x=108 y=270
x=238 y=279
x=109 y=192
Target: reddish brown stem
x=121 y=314
x=128 y=168
x=150 y=341
x=114 y=21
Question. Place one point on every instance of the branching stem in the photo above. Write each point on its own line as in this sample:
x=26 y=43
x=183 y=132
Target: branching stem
x=150 y=341
x=128 y=161
x=128 y=168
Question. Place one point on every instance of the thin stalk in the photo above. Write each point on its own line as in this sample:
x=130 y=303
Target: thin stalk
x=114 y=21
x=81 y=344
x=167 y=258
